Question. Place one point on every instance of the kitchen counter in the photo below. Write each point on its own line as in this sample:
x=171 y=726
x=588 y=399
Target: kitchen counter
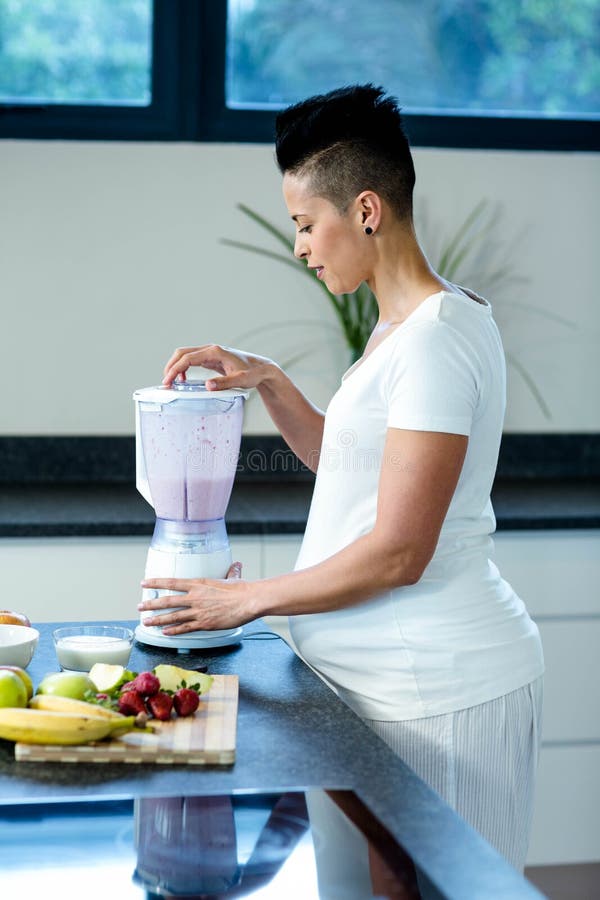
x=69 y=486
x=293 y=733
x=266 y=507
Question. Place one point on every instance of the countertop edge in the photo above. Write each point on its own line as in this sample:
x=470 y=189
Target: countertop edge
x=267 y=508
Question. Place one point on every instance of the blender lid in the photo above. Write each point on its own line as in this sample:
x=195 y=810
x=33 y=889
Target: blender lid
x=185 y=390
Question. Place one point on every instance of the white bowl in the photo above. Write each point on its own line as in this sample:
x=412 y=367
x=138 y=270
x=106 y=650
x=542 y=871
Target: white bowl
x=17 y=645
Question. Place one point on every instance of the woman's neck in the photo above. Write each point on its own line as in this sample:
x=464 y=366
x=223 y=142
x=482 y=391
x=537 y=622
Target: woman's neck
x=402 y=277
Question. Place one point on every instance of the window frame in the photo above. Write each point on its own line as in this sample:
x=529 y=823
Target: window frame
x=188 y=102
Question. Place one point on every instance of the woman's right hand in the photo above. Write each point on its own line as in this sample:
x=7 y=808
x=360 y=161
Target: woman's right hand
x=299 y=422
x=238 y=369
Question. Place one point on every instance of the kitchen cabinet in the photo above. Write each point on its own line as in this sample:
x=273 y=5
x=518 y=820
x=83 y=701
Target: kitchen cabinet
x=557 y=573
x=86 y=578
x=82 y=578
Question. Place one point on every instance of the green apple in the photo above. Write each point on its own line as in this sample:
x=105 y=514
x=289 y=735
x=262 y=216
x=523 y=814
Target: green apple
x=108 y=678
x=12 y=690
x=23 y=675
x=172 y=678
x=76 y=685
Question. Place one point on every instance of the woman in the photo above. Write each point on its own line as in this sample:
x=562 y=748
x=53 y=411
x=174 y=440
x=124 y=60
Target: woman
x=394 y=600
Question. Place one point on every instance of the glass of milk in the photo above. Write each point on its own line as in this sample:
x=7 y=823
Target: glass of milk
x=79 y=647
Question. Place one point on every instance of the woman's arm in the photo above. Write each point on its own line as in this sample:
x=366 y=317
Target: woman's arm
x=298 y=420
x=419 y=475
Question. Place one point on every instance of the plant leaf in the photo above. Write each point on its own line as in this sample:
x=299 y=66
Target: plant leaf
x=451 y=247
x=496 y=277
x=251 y=248
x=290 y=360
x=268 y=226
x=290 y=323
x=530 y=307
x=530 y=383
x=297 y=264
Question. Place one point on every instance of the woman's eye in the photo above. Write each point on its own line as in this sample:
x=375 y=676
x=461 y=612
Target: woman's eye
x=306 y=230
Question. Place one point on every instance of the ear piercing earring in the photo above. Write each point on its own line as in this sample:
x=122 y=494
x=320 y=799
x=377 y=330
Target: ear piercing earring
x=368 y=230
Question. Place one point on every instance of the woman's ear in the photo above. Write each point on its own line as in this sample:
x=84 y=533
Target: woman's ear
x=369 y=210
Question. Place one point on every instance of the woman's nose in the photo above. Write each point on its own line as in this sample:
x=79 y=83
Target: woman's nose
x=300 y=250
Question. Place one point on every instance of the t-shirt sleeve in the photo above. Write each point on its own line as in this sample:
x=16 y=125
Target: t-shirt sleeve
x=432 y=381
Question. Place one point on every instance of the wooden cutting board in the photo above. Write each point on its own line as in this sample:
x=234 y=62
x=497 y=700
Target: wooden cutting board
x=206 y=738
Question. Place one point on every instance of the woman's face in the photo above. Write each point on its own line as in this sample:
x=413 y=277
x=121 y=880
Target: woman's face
x=334 y=245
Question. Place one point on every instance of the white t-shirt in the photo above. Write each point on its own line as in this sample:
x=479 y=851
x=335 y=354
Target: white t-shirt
x=459 y=636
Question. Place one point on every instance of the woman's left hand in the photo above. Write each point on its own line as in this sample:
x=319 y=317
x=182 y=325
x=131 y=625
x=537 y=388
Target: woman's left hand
x=206 y=604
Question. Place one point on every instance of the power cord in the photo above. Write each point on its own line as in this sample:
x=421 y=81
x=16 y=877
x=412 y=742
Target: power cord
x=262 y=636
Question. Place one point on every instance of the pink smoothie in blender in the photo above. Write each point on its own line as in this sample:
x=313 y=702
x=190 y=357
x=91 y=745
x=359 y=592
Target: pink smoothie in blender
x=187 y=446
x=191 y=458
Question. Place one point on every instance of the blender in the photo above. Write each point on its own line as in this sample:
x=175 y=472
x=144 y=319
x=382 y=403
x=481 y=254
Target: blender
x=187 y=446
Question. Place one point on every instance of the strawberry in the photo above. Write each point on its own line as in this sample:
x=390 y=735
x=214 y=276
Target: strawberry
x=146 y=683
x=131 y=703
x=160 y=706
x=186 y=701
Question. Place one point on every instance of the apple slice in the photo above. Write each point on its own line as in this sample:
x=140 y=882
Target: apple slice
x=172 y=678
x=109 y=678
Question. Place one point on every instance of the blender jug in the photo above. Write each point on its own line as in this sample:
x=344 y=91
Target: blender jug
x=187 y=446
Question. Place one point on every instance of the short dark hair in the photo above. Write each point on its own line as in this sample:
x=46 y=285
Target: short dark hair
x=347 y=141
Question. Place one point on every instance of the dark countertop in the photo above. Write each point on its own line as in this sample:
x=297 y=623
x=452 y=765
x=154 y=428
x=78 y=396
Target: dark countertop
x=293 y=733
x=263 y=507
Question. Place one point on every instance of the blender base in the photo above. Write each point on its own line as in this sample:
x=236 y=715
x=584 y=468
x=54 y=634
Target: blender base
x=184 y=643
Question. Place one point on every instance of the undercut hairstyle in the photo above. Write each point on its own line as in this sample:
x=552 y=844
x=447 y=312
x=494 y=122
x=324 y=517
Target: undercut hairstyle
x=347 y=141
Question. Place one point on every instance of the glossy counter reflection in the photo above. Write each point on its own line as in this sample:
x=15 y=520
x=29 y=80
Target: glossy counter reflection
x=242 y=845
x=221 y=846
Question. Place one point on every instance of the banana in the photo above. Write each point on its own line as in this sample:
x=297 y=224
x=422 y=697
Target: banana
x=34 y=726
x=52 y=703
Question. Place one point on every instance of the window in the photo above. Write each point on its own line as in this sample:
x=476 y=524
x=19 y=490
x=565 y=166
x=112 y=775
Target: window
x=68 y=52
x=467 y=57
x=472 y=73
x=96 y=69
x=466 y=72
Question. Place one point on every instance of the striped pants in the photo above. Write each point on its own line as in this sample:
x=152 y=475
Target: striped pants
x=481 y=760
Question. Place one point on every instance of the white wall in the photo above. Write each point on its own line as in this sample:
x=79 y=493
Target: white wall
x=110 y=258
